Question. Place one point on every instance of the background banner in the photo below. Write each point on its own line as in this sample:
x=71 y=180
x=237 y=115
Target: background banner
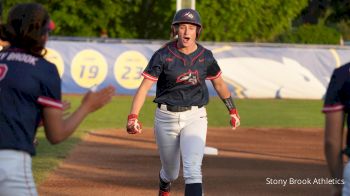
x=252 y=71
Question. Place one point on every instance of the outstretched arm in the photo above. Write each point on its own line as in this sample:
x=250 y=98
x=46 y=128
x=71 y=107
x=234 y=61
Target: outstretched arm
x=58 y=129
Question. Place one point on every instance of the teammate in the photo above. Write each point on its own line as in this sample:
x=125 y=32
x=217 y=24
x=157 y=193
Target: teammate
x=336 y=109
x=30 y=90
x=180 y=69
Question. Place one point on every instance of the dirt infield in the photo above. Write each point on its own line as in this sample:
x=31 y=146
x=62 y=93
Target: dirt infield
x=111 y=162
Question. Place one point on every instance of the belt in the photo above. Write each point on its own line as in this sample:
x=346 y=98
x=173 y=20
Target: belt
x=173 y=108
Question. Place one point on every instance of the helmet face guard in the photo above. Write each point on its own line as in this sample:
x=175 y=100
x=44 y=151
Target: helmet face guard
x=186 y=16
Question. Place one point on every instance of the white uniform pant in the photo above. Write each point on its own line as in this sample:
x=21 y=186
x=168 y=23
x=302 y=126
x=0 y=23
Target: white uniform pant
x=16 y=177
x=185 y=133
x=346 y=176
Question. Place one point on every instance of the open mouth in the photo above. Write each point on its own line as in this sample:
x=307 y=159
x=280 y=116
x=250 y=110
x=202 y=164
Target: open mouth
x=186 y=39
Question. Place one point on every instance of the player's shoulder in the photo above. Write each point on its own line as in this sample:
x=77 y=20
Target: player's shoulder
x=167 y=45
x=343 y=70
x=205 y=51
x=165 y=49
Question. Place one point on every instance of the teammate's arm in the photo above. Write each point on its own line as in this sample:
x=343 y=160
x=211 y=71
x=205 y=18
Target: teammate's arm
x=133 y=125
x=333 y=144
x=58 y=129
x=223 y=92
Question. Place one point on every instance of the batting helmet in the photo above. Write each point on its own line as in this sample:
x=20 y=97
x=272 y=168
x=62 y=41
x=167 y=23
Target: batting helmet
x=187 y=15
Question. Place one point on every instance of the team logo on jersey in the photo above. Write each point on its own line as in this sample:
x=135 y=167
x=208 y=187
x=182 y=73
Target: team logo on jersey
x=3 y=71
x=188 y=15
x=190 y=77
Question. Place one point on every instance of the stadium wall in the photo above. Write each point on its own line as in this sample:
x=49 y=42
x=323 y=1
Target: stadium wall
x=252 y=70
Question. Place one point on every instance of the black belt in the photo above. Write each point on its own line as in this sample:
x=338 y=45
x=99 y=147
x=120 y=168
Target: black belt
x=174 y=108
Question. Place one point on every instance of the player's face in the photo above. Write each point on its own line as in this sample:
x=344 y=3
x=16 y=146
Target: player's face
x=187 y=35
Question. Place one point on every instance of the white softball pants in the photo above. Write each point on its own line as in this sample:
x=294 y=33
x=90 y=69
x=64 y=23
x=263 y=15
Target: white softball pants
x=346 y=176
x=181 y=133
x=16 y=177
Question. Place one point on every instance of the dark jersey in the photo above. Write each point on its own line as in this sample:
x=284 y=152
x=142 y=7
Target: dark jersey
x=180 y=77
x=27 y=84
x=338 y=93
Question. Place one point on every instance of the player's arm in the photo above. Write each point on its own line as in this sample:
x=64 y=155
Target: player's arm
x=58 y=129
x=221 y=88
x=223 y=92
x=140 y=96
x=333 y=143
x=133 y=125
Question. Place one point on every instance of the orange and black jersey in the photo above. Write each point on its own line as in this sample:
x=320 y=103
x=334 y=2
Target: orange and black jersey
x=180 y=77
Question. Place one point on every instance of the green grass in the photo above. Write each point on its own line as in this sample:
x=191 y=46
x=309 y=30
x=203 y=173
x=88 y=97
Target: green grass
x=254 y=113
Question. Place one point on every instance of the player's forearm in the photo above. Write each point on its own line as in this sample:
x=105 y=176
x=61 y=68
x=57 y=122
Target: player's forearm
x=57 y=129
x=334 y=159
x=138 y=102
x=333 y=142
x=140 y=96
x=72 y=122
x=221 y=88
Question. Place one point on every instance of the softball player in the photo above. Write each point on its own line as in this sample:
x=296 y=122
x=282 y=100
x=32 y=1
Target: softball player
x=336 y=109
x=30 y=90
x=180 y=69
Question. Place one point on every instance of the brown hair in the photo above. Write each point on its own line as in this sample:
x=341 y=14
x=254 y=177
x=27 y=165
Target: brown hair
x=26 y=26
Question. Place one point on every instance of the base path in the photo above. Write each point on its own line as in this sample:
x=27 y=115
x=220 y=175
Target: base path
x=250 y=162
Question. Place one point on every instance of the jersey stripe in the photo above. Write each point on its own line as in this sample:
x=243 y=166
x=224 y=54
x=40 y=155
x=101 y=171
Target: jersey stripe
x=332 y=108
x=46 y=101
x=214 y=77
x=144 y=74
x=177 y=56
x=201 y=52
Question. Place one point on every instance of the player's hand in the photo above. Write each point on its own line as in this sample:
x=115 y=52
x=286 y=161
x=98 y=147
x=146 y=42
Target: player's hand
x=93 y=101
x=235 y=119
x=133 y=126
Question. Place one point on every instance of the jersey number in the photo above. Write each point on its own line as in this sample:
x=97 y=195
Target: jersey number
x=3 y=71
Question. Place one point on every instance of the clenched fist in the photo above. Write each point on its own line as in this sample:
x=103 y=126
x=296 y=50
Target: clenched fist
x=235 y=119
x=133 y=126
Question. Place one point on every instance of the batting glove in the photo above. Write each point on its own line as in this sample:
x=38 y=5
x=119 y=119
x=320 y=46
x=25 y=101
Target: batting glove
x=235 y=120
x=133 y=126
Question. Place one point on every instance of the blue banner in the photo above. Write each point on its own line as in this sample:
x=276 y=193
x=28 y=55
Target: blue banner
x=251 y=71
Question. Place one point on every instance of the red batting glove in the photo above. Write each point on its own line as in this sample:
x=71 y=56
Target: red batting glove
x=133 y=126
x=235 y=120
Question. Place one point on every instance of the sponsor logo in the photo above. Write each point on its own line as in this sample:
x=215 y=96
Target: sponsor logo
x=201 y=60
x=169 y=59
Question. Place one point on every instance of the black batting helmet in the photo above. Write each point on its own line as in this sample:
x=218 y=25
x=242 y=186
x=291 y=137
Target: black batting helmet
x=187 y=15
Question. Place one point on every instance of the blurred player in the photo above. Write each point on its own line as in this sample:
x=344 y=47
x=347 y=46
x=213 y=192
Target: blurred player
x=336 y=109
x=180 y=69
x=30 y=91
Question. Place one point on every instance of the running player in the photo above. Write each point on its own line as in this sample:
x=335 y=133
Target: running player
x=180 y=69
x=336 y=109
x=30 y=90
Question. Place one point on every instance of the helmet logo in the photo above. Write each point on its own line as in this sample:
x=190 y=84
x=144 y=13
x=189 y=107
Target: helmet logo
x=188 y=15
